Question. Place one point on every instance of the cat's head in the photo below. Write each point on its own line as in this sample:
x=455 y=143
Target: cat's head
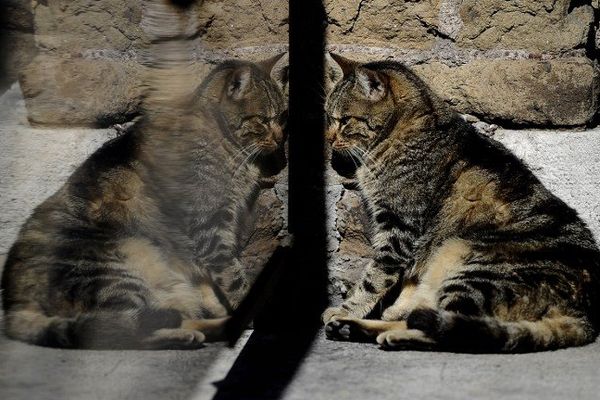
x=248 y=104
x=365 y=106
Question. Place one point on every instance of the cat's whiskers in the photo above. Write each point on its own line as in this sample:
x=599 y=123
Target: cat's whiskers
x=255 y=149
x=244 y=151
x=352 y=156
x=256 y=154
x=365 y=159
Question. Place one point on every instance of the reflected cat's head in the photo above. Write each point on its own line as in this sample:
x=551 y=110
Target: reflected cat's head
x=248 y=104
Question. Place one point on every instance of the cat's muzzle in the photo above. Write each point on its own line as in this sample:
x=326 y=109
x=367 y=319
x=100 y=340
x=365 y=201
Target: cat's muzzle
x=344 y=164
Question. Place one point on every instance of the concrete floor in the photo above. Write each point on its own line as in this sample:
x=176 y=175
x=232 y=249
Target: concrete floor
x=332 y=370
x=35 y=162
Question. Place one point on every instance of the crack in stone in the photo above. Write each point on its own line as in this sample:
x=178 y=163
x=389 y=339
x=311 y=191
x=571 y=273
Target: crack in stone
x=355 y=18
x=333 y=21
x=434 y=30
x=264 y=16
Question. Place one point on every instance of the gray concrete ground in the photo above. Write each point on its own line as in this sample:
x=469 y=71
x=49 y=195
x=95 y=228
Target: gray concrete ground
x=35 y=162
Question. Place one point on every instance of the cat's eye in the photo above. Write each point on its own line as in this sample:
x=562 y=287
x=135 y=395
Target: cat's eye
x=253 y=118
x=356 y=133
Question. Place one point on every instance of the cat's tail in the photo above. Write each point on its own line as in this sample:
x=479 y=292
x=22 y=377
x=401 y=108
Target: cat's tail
x=457 y=332
x=95 y=330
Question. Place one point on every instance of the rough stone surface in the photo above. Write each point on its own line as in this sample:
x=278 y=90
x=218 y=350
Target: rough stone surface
x=244 y=23
x=520 y=92
x=542 y=26
x=93 y=54
x=352 y=230
x=463 y=47
x=86 y=73
x=74 y=27
x=81 y=92
x=406 y=24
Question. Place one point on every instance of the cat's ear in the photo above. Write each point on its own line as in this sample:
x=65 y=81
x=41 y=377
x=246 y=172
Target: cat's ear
x=347 y=66
x=371 y=83
x=268 y=64
x=239 y=82
x=332 y=73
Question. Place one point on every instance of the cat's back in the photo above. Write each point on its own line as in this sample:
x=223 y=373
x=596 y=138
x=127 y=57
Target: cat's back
x=87 y=214
x=500 y=193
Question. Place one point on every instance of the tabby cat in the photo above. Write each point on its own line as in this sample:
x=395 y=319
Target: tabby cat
x=139 y=248
x=483 y=256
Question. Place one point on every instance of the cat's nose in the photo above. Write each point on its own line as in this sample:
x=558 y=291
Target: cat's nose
x=269 y=145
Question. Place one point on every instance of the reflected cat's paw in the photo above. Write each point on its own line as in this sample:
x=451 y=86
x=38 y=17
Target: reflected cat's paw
x=174 y=339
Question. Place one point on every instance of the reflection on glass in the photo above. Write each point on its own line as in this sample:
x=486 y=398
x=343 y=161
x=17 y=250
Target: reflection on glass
x=157 y=236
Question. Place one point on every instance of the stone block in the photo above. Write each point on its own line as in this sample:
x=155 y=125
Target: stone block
x=405 y=24
x=81 y=92
x=540 y=26
x=243 y=23
x=76 y=26
x=561 y=92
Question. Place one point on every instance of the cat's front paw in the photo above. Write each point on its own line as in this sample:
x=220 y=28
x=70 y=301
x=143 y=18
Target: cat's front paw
x=332 y=313
x=346 y=330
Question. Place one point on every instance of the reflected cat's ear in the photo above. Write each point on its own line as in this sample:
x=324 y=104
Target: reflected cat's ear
x=347 y=66
x=239 y=83
x=371 y=83
x=283 y=77
x=268 y=64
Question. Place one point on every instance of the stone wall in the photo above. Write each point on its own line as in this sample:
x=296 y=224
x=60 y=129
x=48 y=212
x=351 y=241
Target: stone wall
x=514 y=62
x=94 y=58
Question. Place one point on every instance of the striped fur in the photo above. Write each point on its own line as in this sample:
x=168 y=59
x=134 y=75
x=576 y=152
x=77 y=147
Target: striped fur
x=486 y=258
x=139 y=249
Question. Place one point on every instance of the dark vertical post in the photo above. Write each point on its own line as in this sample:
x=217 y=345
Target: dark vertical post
x=306 y=166
x=290 y=321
